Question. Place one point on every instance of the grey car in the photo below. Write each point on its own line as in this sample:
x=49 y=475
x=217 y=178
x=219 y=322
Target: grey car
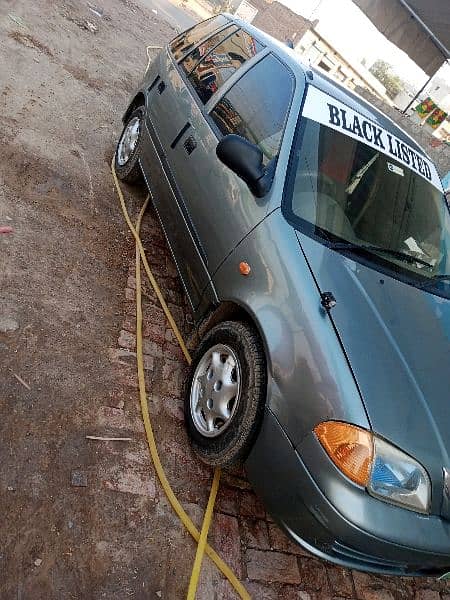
x=312 y=238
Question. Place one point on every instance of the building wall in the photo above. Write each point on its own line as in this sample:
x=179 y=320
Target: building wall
x=315 y=50
x=439 y=90
x=279 y=21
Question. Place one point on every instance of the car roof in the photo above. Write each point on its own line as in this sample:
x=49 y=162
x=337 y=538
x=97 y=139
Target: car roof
x=326 y=84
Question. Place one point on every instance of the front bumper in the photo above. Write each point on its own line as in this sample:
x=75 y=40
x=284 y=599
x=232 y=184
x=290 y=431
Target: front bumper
x=336 y=520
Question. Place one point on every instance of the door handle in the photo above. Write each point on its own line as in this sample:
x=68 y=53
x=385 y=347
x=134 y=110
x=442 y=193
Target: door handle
x=190 y=144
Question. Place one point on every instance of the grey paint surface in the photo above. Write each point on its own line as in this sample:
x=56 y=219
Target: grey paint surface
x=378 y=359
x=397 y=339
x=310 y=379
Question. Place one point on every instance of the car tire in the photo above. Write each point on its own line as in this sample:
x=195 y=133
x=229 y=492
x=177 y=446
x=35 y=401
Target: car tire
x=229 y=359
x=126 y=158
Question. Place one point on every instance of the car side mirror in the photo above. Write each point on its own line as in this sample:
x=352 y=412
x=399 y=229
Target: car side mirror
x=246 y=160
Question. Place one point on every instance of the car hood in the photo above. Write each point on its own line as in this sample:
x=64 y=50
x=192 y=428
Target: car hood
x=397 y=341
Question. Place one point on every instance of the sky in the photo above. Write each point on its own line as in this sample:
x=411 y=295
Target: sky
x=351 y=32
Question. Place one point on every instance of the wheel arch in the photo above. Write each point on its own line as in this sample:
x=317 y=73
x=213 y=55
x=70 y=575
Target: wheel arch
x=233 y=310
x=138 y=100
x=237 y=319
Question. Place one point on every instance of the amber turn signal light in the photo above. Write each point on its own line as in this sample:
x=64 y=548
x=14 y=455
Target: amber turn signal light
x=244 y=268
x=349 y=447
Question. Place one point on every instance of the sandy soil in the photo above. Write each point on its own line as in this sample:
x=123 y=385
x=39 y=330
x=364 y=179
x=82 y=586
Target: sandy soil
x=63 y=271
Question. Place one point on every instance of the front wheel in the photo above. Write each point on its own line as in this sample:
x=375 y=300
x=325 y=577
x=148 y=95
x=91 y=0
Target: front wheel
x=126 y=158
x=225 y=394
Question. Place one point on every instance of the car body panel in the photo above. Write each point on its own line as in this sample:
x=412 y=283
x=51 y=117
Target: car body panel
x=165 y=194
x=174 y=119
x=341 y=522
x=211 y=194
x=167 y=102
x=397 y=339
x=188 y=210
x=310 y=378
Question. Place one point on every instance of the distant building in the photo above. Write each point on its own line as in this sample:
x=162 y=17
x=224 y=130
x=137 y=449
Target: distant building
x=273 y=18
x=315 y=50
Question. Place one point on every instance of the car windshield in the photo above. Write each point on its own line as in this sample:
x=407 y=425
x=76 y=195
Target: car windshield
x=356 y=199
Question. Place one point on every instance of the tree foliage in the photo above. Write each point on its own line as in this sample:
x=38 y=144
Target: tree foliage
x=383 y=72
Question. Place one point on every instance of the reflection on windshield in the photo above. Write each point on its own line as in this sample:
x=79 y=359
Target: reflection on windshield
x=360 y=174
x=350 y=193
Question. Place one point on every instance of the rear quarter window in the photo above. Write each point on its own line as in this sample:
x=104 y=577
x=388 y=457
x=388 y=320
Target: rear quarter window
x=191 y=60
x=187 y=40
x=221 y=62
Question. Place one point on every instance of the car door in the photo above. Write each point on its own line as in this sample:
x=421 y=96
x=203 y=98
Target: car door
x=169 y=106
x=169 y=101
x=255 y=105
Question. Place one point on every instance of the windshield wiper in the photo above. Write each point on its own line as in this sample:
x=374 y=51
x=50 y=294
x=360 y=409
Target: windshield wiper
x=395 y=253
x=434 y=279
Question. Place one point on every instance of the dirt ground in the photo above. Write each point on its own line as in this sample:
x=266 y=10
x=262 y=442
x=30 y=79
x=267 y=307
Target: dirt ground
x=63 y=271
x=80 y=518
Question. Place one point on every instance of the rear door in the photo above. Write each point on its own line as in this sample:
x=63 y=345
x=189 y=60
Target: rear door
x=169 y=108
x=169 y=102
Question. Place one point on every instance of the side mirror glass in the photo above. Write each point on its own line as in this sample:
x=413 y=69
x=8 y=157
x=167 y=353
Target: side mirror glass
x=246 y=160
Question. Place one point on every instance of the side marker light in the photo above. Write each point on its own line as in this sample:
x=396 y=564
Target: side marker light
x=244 y=268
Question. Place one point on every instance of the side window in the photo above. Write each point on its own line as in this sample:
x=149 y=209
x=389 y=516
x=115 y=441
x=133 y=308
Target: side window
x=191 y=60
x=183 y=43
x=220 y=64
x=256 y=107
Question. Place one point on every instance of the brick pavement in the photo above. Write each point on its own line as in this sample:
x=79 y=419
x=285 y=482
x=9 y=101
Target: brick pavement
x=270 y=566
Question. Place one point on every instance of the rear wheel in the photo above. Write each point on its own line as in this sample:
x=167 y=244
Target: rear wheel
x=225 y=393
x=126 y=158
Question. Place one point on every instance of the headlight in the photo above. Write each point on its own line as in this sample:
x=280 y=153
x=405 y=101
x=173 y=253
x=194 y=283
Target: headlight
x=388 y=473
x=398 y=478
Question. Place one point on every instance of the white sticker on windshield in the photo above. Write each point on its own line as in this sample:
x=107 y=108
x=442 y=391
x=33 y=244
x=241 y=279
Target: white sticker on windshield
x=413 y=245
x=395 y=169
x=323 y=108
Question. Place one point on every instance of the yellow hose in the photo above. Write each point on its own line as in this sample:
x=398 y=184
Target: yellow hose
x=200 y=538
x=203 y=537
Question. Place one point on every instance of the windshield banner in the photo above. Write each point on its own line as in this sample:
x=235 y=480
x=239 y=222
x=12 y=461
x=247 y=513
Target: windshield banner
x=326 y=110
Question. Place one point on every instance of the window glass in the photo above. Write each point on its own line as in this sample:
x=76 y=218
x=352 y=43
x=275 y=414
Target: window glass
x=352 y=195
x=220 y=64
x=188 y=39
x=191 y=60
x=256 y=107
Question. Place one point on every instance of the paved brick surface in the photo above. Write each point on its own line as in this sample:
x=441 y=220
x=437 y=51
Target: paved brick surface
x=268 y=563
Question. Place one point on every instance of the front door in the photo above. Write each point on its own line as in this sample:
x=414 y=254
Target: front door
x=222 y=208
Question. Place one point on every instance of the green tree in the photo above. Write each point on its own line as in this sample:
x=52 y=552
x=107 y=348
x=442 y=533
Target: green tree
x=383 y=72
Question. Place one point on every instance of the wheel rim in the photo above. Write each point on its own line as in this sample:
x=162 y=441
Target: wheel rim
x=128 y=141
x=215 y=390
